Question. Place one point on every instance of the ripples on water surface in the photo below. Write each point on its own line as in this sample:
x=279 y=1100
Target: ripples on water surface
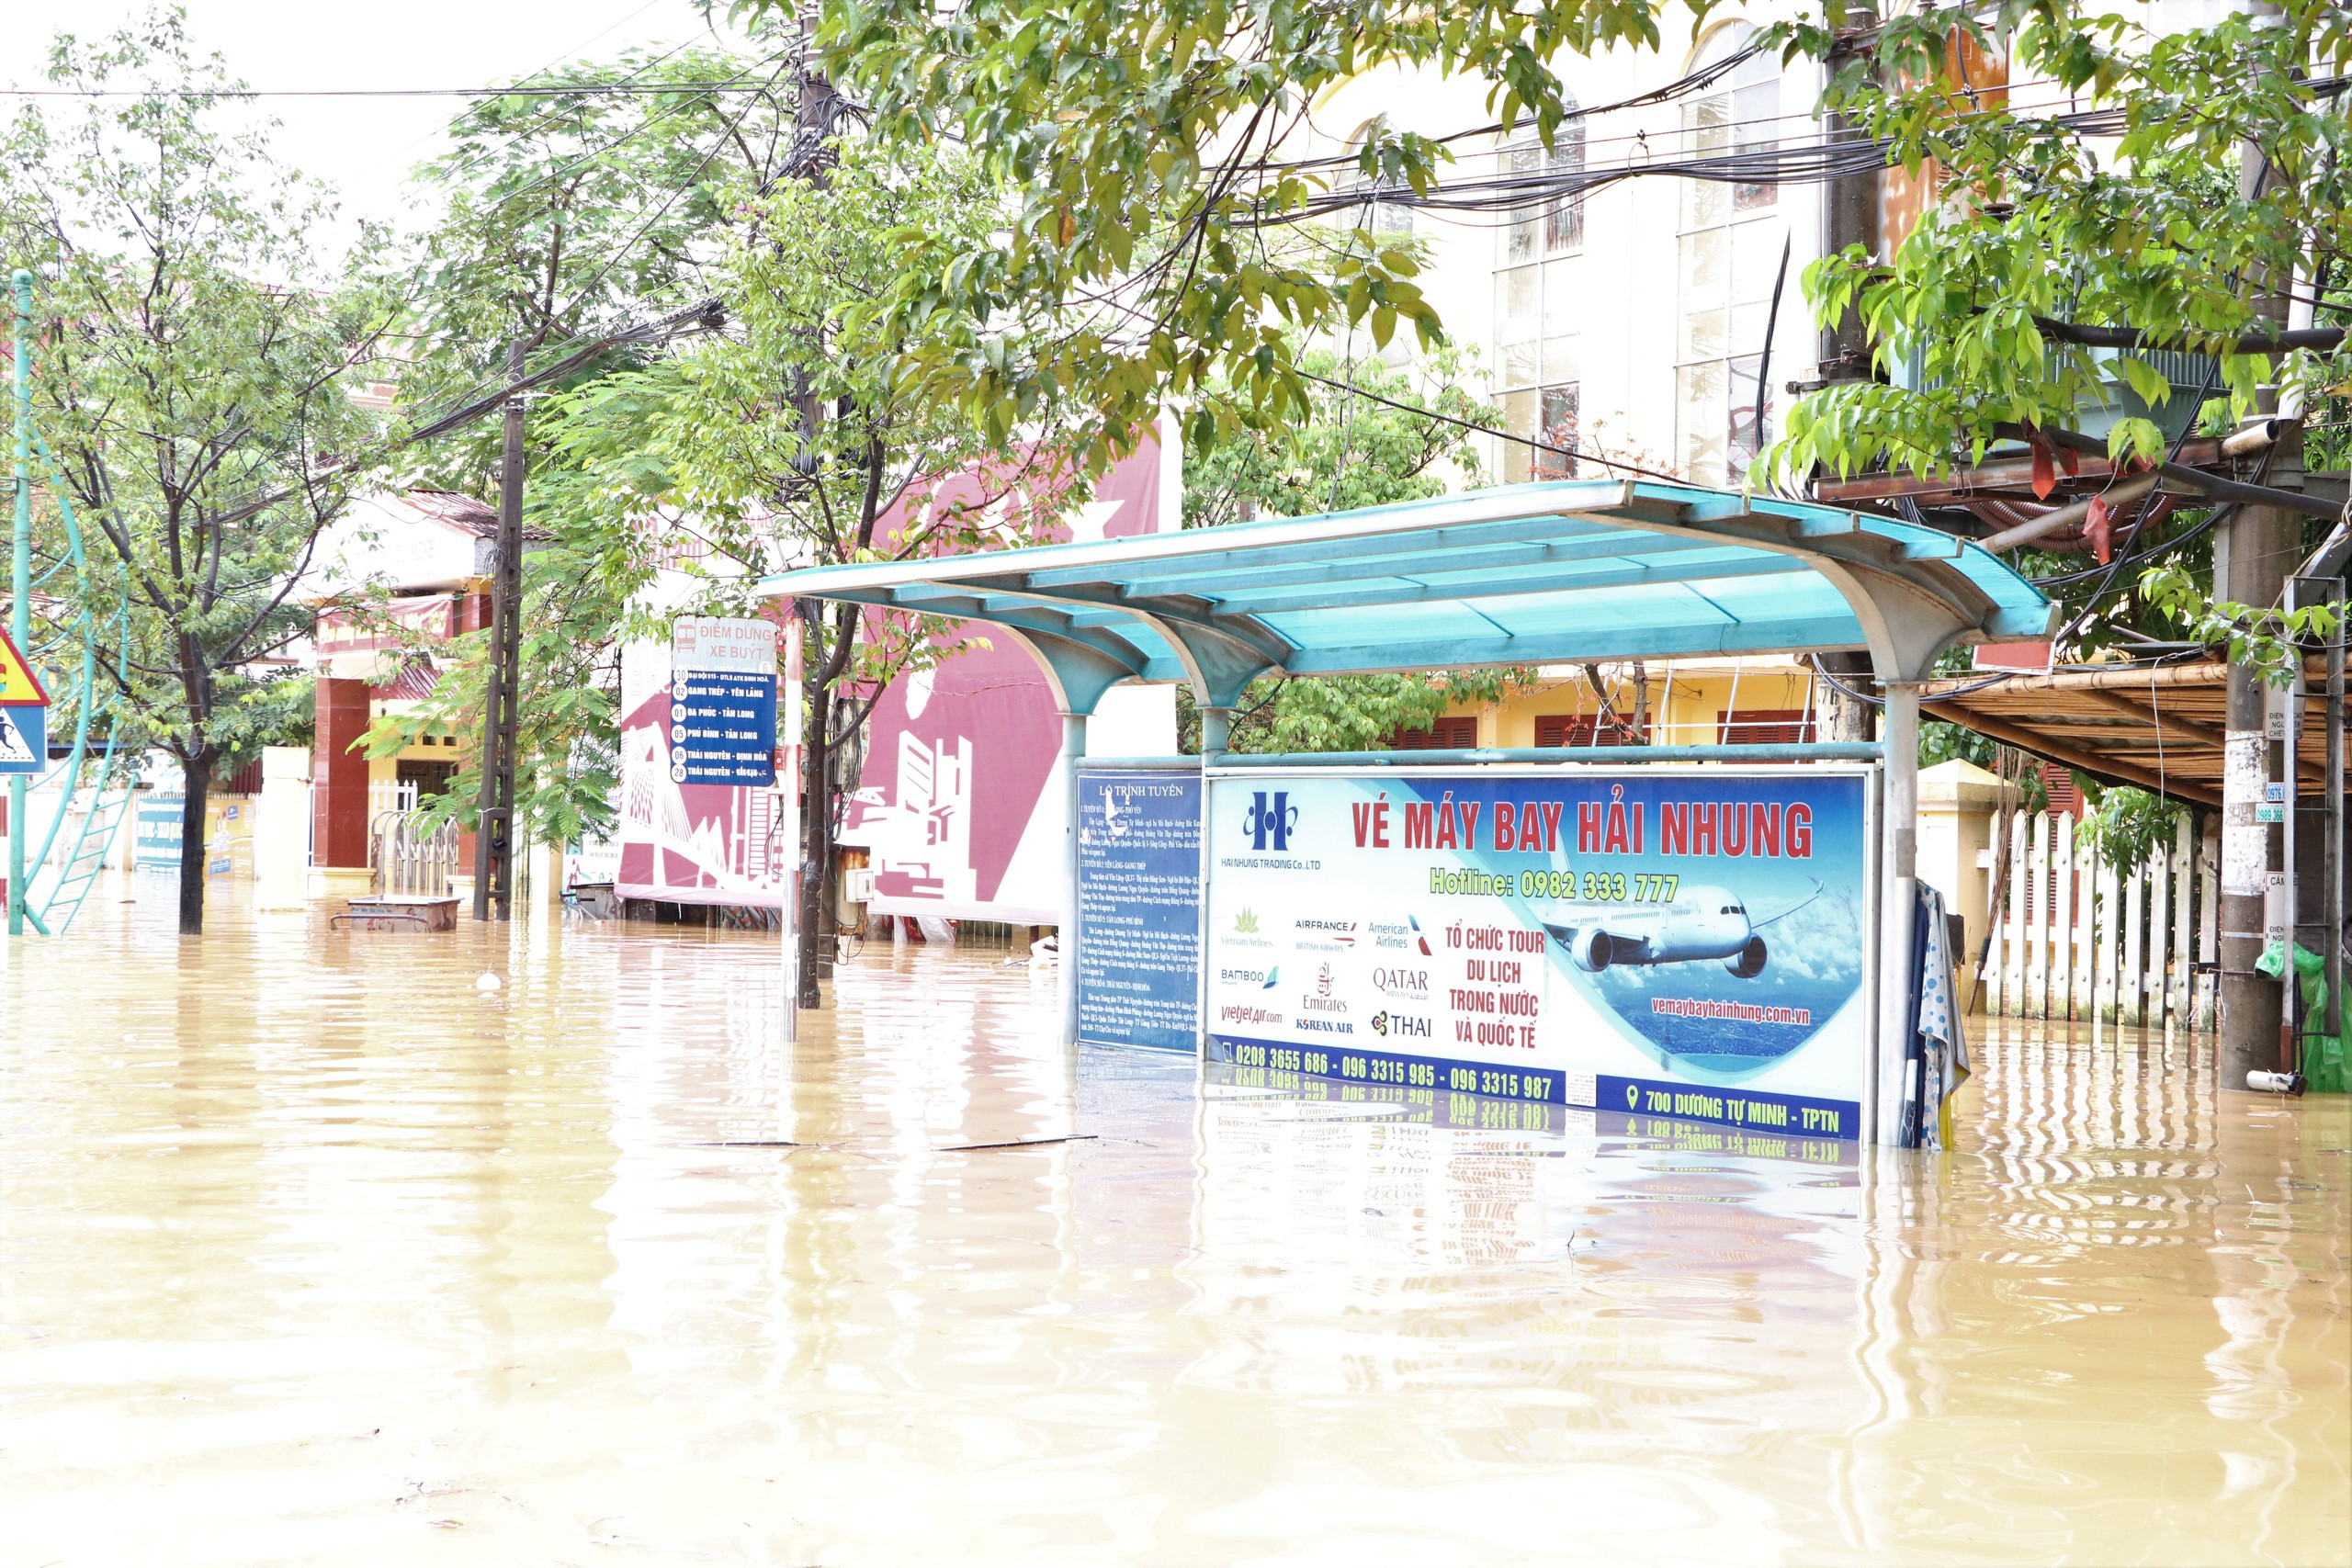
x=312 y=1252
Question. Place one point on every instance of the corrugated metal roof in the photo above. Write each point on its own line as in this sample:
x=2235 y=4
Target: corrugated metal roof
x=1522 y=574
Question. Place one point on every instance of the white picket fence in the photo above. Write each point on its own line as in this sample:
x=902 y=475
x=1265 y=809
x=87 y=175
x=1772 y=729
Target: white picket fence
x=2076 y=939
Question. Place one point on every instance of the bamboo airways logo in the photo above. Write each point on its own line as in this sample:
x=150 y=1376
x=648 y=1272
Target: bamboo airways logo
x=1269 y=826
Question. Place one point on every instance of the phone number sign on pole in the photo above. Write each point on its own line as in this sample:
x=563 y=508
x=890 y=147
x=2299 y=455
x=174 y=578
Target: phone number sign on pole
x=722 y=701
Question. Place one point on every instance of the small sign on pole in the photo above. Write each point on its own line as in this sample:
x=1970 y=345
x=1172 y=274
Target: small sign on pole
x=722 y=701
x=19 y=687
x=24 y=715
x=24 y=740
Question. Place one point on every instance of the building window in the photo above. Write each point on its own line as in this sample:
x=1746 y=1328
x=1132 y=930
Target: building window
x=1550 y=221
x=1539 y=281
x=1729 y=257
x=1375 y=209
x=1442 y=735
x=1587 y=730
x=1763 y=727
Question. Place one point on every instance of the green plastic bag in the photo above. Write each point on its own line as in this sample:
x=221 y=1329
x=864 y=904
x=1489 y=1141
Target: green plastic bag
x=2325 y=1066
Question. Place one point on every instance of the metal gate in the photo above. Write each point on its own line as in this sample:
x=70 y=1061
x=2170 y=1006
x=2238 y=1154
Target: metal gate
x=411 y=857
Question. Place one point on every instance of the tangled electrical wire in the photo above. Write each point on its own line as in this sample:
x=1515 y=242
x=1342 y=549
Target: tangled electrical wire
x=1811 y=162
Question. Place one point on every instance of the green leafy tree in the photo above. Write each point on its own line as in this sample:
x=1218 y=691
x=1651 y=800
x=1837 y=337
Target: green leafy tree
x=195 y=360
x=1358 y=448
x=1146 y=143
x=2059 y=256
x=2149 y=193
x=801 y=435
x=571 y=213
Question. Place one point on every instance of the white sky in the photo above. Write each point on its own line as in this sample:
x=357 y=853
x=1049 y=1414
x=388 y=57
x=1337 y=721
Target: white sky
x=365 y=147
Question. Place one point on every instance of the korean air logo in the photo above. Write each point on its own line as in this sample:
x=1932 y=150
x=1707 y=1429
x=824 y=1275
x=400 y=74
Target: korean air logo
x=1271 y=821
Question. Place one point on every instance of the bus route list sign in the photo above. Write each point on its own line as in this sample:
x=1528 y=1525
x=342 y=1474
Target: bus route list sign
x=1139 y=908
x=722 y=701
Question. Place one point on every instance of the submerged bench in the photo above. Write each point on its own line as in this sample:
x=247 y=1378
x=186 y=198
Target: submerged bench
x=397 y=913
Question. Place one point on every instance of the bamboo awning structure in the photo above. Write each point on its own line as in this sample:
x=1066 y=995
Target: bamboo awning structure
x=2157 y=728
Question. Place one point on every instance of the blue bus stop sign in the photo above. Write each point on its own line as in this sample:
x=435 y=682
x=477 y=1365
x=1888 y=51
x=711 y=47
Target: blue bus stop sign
x=24 y=740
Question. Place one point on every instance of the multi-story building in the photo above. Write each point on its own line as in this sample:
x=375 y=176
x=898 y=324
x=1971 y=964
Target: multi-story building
x=1635 y=321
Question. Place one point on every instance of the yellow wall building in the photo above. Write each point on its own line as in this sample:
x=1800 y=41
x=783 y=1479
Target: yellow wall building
x=1660 y=702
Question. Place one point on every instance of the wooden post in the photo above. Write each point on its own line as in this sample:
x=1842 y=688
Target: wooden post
x=2183 y=1000
x=2019 y=897
x=2038 y=917
x=1995 y=913
x=2110 y=920
x=2062 y=953
x=2134 y=973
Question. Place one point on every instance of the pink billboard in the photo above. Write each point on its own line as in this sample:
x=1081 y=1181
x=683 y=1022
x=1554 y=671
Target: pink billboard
x=955 y=805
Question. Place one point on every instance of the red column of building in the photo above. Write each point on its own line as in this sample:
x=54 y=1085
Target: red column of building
x=339 y=775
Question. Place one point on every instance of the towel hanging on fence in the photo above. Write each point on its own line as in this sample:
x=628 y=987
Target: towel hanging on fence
x=1935 y=1054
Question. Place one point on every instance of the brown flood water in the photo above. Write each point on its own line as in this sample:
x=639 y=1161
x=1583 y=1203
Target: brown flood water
x=311 y=1252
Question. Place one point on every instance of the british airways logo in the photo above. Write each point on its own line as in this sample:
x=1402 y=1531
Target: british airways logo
x=1271 y=821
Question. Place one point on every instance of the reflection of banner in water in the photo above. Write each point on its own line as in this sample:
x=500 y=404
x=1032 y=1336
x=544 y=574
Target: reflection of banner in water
x=685 y=843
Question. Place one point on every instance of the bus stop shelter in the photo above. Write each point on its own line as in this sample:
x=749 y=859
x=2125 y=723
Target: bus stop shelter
x=1522 y=575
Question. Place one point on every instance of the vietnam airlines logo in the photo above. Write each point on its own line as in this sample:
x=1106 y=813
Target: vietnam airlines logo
x=1245 y=924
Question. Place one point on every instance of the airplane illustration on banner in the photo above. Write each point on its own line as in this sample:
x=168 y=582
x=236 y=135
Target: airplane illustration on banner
x=1703 y=923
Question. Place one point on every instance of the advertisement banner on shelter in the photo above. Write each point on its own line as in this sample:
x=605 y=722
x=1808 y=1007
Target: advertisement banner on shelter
x=1683 y=942
x=1139 y=908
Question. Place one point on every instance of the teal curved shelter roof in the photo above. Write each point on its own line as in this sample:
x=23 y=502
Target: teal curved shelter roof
x=1522 y=574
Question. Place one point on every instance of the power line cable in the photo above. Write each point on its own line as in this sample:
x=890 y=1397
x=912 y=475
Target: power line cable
x=598 y=89
x=1573 y=454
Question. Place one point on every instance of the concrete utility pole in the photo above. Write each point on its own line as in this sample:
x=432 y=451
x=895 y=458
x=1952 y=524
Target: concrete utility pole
x=495 y=827
x=2252 y=554
x=811 y=121
x=1850 y=208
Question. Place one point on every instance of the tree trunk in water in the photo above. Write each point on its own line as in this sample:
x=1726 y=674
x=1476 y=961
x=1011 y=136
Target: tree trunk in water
x=817 y=824
x=199 y=785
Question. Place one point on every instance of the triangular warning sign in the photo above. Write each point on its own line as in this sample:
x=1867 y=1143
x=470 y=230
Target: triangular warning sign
x=17 y=686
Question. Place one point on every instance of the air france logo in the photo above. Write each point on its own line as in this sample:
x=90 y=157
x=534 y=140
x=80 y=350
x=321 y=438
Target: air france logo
x=1269 y=826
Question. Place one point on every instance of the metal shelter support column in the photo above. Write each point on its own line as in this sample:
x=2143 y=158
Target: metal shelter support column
x=1066 y=979
x=1898 y=898
x=1216 y=729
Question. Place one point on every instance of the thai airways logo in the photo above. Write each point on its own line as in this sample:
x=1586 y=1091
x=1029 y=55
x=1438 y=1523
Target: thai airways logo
x=1401 y=1024
x=1271 y=821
